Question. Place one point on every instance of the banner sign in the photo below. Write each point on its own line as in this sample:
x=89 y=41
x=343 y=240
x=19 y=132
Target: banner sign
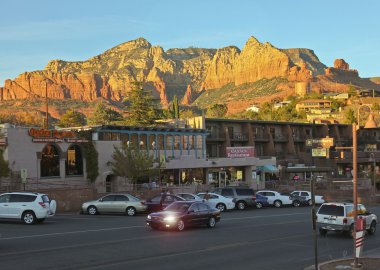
x=319 y=152
x=54 y=136
x=320 y=143
x=240 y=152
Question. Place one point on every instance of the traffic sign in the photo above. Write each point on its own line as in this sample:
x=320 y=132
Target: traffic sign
x=24 y=175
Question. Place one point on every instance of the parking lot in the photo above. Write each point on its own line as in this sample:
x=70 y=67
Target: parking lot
x=267 y=238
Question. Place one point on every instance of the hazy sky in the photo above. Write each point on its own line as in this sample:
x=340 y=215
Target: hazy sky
x=34 y=32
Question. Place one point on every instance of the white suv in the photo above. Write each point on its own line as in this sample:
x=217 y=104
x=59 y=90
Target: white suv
x=28 y=206
x=339 y=217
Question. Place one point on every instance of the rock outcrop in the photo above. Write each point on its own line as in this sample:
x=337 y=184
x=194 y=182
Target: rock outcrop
x=341 y=64
x=188 y=97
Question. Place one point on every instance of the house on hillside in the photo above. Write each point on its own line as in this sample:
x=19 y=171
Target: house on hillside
x=253 y=108
x=314 y=104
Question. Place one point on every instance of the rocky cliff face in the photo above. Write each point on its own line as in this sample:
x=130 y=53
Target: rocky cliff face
x=181 y=72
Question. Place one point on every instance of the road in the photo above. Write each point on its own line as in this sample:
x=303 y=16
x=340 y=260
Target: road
x=253 y=239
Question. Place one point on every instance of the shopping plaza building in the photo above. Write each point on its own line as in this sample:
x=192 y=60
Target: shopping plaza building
x=202 y=150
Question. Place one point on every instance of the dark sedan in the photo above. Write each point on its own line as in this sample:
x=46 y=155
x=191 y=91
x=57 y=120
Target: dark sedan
x=159 y=202
x=261 y=201
x=183 y=214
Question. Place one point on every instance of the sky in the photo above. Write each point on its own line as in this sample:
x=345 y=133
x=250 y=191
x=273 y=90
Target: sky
x=34 y=32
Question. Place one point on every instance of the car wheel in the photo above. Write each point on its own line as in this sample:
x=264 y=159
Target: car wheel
x=241 y=205
x=309 y=202
x=221 y=207
x=211 y=222
x=372 y=228
x=180 y=225
x=296 y=203
x=28 y=217
x=277 y=203
x=131 y=211
x=259 y=205
x=92 y=210
x=322 y=232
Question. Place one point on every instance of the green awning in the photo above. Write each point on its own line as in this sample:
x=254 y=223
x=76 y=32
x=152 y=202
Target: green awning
x=267 y=168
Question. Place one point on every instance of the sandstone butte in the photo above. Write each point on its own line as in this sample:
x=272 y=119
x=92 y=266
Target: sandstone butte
x=184 y=72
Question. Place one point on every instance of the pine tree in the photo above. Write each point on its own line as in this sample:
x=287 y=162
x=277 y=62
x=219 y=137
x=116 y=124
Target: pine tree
x=104 y=115
x=175 y=107
x=72 y=119
x=143 y=107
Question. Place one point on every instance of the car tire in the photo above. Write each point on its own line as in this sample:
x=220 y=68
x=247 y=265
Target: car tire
x=296 y=203
x=211 y=222
x=221 y=206
x=277 y=203
x=180 y=225
x=92 y=210
x=309 y=202
x=259 y=205
x=29 y=218
x=322 y=232
x=241 y=205
x=372 y=228
x=131 y=211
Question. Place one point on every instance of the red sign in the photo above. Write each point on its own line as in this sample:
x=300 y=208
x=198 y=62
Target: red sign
x=45 y=133
x=240 y=152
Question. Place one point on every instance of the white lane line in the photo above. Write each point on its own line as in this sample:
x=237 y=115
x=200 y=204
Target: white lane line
x=74 y=232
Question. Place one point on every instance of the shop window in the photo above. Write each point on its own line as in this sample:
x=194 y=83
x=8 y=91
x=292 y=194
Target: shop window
x=50 y=161
x=74 y=161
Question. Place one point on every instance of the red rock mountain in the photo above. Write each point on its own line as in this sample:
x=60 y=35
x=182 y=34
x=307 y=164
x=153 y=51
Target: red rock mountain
x=183 y=72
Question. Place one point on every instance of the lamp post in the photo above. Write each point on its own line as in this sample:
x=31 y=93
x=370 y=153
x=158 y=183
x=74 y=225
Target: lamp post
x=355 y=186
x=372 y=158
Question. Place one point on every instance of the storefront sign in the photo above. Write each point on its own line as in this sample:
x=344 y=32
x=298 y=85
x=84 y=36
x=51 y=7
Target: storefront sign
x=319 y=152
x=55 y=136
x=320 y=143
x=240 y=152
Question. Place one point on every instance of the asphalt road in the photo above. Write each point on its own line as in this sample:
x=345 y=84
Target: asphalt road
x=253 y=239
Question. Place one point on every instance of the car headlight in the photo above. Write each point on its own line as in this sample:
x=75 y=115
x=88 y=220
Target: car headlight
x=149 y=217
x=170 y=218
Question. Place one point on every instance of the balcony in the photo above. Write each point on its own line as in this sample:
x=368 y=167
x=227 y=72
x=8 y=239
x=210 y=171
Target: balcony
x=261 y=138
x=238 y=136
x=280 y=138
x=299 y=138
x=215 y=137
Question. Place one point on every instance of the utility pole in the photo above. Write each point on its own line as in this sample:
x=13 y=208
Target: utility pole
x=355 y=188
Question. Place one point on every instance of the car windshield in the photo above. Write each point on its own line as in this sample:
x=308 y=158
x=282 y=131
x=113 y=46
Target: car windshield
x=178 y=207
x=331 y=210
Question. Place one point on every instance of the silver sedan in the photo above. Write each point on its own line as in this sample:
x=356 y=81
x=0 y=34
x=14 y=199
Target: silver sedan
x=115 y=203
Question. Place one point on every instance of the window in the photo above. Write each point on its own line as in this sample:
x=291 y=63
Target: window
x=121 y=198
x=187 y=196
x=269 y=194
x=156 y=199
x=22 y=198
x=74 y=161
x=202 y=207
x=304 y=194
x=244 y=192
x=5 y=198
x=213 y=197
x=227 y=192
x=331 y=210
x=50 y=161
x=169 y=198
x=108 y=198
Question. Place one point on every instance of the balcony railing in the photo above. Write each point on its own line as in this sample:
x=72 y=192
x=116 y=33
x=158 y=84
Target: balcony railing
x=238 y=136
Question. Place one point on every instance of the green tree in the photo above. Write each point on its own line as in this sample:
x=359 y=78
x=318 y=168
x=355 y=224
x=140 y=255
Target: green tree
x=217 y=110
x=175 y=108
x=104 y=115
x=350 y=116
x=72 y=119
x=352 y=91
x=133 y=163
x=375 y=107
x=143 y=107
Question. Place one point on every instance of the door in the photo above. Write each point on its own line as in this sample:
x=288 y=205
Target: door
x=222 y=179
x=106 y=204
x=193 y=217
x=4 y=205
x=120 y=204
x=271 y=197
x=19 y=202
x=203 y=215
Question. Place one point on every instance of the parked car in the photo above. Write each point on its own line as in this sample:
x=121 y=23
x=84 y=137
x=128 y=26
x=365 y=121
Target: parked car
x=183 y=214
x=275 y=198
x=243 y=196
x=298 y=200
x=189 y=196
x=115 y=203
x=339 y=217
x=29 y=207
x=218 y=201
x=318 y=198
x=159 y=202
x=261 y=201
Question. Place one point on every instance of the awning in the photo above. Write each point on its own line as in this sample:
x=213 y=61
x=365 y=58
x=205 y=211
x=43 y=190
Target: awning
x=267 y=168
